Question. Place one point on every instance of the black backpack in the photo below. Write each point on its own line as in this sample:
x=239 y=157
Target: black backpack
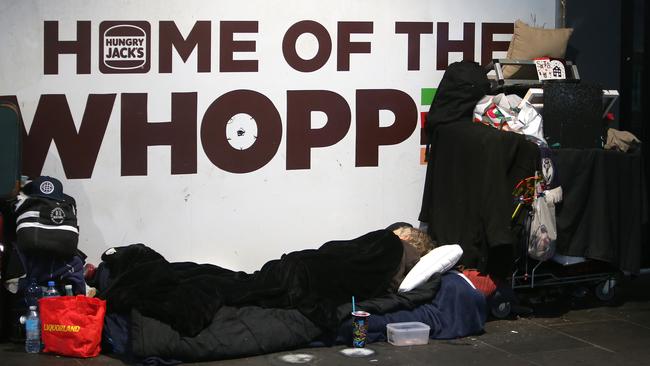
x=46 y=223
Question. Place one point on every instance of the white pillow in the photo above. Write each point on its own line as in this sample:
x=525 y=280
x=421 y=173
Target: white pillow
x=439 y=260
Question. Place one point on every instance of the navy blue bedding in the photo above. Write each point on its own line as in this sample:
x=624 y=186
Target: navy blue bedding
x=458 y=310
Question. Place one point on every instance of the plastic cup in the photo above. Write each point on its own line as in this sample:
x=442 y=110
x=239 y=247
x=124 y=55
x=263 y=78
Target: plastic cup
x=359 y=328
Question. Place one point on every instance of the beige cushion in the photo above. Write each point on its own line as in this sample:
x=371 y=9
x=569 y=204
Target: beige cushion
x=528 y=43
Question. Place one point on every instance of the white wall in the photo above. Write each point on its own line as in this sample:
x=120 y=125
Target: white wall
x=240 y=220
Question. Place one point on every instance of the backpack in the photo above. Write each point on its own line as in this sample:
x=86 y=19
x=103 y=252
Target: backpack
x=46 y=219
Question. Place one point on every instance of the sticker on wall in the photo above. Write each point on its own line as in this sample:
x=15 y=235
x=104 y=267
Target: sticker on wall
x=241 y=131
x=550 y=69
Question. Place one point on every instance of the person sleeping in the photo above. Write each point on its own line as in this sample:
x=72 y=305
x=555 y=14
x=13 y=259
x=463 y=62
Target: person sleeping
x=416 y=244
x=458 y=308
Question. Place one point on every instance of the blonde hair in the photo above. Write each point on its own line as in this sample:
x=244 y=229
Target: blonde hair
x=417 y=238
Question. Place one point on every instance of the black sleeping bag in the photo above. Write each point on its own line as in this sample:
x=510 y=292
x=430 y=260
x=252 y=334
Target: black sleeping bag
x=233 y=332
x=315 y=282
x=193 y=312
x=253 y=330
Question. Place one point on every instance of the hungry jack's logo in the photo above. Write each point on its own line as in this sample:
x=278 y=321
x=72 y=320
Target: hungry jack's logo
x=124 y=47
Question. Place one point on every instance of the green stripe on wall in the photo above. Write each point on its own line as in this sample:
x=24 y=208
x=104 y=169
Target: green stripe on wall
x=426 y=95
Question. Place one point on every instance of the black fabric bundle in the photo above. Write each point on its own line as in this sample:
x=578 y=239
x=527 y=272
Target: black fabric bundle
x=463 y=84
x=471 y=172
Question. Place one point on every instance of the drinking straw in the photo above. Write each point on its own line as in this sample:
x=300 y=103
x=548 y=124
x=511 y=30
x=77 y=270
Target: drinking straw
x=353 y=305
x=516 y=210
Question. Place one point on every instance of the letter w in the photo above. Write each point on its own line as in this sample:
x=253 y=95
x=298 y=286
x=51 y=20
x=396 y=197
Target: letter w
x=53 y=122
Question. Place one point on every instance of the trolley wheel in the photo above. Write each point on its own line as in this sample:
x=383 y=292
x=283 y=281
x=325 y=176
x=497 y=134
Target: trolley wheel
x=501 y=310
x=606 y=290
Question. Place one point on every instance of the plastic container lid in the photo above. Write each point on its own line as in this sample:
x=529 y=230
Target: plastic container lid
x=407 y=326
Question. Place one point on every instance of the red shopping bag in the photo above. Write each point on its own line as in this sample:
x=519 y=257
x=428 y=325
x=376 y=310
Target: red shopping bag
x=72 y=325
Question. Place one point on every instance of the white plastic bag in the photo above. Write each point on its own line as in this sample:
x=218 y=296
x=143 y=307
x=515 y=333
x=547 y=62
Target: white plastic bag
x=499 y=111
x=509 y=113
x=530 y=121
x=543 y=230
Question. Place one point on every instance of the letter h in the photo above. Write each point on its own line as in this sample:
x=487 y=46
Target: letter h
x=445 y=45
x=53 y=47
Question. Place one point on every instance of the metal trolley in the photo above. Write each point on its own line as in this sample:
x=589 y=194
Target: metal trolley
x=530 y=274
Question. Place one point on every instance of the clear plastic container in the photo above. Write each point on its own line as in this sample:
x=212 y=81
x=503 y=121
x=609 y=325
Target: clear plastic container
x=407 y=333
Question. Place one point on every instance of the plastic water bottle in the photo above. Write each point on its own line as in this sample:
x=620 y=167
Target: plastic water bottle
x=51 y=290
x=68 y=290
x=33 y=293
x=32 y=331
